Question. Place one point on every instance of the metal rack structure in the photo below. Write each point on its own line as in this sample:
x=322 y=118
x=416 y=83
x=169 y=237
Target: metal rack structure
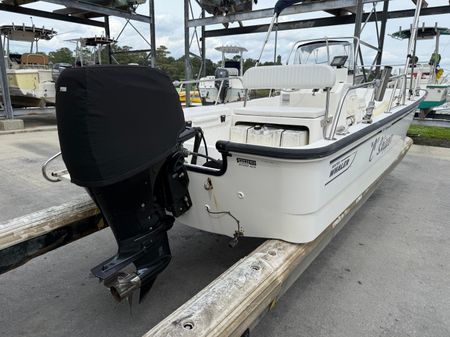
x=343 y=12
x=78 y=12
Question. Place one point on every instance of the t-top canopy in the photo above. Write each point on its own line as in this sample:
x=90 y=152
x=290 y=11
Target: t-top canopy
x=26 y=33
x=231 y=49
x=94 y=41
x=423 y=33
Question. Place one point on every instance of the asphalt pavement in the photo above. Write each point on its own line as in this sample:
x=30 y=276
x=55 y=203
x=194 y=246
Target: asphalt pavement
x=385 y=274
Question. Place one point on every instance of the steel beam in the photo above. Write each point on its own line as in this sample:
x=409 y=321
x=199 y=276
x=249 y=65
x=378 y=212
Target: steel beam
x=382 y=34
x=7 y=106
x=268 y=12
x=101 y=10
x=187 y=63
x=203 y=48
x=50 y=15
x=108 y=35
x=357 y=33
x=321 y=22
x=151 y=14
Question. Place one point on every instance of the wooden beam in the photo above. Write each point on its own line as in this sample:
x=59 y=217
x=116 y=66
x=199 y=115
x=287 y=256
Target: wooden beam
x=26 y=237
x=233 y=303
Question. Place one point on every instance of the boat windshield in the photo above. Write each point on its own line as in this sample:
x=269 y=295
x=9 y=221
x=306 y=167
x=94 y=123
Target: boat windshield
x=335 y=53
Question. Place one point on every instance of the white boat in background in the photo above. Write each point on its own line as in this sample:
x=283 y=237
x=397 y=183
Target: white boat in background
x=29 y=75
x=429 y=76
x=282 y=167
x=95 y=45
x=226 y=84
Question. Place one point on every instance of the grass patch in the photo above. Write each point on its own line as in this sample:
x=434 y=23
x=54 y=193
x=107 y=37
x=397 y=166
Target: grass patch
x=430 y=135
x=423 y=131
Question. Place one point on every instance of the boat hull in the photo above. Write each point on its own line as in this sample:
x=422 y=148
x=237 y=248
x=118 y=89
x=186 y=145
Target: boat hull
x=293 y=199
x=31 y=87
x=437 y=96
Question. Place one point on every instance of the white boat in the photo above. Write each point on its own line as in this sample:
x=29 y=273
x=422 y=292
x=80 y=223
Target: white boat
x=283 y=167
x=226 y=84
x=29 y=75
x=429 y=76
x=292 y=163
x=95 y=45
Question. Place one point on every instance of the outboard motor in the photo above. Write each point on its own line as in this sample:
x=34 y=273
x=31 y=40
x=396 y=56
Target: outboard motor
x=119 y=129
x=219 y=74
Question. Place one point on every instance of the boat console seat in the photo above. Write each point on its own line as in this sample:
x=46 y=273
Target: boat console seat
x=294 y=76
x=281 y=111
x=34 y=59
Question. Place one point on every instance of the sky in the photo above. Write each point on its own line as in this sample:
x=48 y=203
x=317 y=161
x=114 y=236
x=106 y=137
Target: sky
x=170 y=32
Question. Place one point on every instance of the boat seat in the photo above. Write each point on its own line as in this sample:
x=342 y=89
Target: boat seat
x=281 y=111
x=34 y=59
x=294 y=76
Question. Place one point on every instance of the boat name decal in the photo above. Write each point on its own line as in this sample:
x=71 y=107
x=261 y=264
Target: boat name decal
x=380 y=144
x=246 y=162
x=340 y=165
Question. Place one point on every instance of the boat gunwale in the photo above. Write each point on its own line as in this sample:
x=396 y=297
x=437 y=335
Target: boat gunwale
x=315 y=153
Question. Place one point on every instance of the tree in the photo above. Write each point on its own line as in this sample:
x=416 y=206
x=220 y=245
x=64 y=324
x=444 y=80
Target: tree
x=279 y=59
x=124 y=55
x=61 y=55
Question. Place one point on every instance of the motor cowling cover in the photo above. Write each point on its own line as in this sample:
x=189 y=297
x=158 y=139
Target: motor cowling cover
x=115 y=121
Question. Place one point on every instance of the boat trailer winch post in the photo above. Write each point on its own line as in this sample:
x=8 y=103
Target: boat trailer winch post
x=234 y=303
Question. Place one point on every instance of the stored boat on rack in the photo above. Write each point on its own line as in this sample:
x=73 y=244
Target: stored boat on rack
x=283 y=167
x=226 y=84
x=29 y=75
x=428 y=76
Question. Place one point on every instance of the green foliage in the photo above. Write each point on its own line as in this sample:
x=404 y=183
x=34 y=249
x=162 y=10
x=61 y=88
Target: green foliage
x=125 y=55
x=61 y=55
x=424 y=131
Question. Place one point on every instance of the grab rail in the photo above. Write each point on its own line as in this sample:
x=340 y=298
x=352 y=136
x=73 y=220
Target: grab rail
x=337 y=115
x=403 y=94
x=54 y=177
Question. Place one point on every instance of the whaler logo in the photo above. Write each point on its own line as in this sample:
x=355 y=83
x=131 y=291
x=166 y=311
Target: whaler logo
x=380 y=144
x=246 y=162
x=340 y=165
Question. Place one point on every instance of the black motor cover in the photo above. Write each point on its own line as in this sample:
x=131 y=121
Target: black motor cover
x=115 y=121
x=118 y=128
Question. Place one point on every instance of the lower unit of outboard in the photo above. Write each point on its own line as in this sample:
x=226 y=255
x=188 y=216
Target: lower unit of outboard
x=119 y=130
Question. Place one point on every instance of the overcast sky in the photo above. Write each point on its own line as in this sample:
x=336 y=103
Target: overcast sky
x=169 y=32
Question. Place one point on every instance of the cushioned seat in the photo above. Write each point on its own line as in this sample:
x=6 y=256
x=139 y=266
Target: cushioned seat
x=294 y=76
x=281 y=111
